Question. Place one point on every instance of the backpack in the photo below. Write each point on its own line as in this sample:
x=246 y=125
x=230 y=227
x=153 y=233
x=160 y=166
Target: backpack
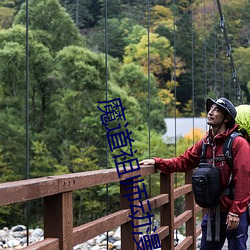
x=243 y=120
x=206 y=185
x=206 y=179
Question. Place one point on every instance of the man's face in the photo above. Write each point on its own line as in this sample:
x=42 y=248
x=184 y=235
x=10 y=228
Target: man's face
x=215 y=116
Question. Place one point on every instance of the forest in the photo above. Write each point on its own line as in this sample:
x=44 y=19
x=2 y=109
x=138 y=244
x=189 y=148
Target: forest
x=162 y=58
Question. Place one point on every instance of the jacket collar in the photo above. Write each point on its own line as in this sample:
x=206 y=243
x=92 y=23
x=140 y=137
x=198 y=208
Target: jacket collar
x=221 y=136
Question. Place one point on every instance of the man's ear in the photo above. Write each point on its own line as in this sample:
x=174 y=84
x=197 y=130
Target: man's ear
x=228 y=118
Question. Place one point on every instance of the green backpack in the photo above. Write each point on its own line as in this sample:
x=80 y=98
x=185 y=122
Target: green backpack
x=243 y=120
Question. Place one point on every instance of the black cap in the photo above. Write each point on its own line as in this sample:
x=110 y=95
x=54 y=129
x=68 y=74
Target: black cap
x=223 y=103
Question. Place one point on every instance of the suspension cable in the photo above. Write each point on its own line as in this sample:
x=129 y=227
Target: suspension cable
x=192 y=76
x=215 y=52
x=106 y=82
x=149 y=120
x=27 y=206
x=174 y=74
x=175 y=95
x=229 y=53
x=221 y=68
x=205 y=50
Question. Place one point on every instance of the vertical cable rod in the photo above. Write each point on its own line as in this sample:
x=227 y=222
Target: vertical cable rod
x=175 y=95
x=106 y=82
x=149 y=121
x=193 y=93
x=77 y=13
x=215 y=53
x=27 y=207
x=174 y=73
x=229 y=55
x=205 y=50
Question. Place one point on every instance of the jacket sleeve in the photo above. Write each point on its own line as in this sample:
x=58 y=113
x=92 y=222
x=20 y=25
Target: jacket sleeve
x=185 y=162
x=241 y=175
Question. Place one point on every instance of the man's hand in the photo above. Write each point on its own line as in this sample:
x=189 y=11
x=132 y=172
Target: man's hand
x=232 y=221
x=147 y=162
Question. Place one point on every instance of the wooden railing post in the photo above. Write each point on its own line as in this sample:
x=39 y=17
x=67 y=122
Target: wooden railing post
x=167 y=210
x=58 y=219
x=190 y=205
x=127 y=240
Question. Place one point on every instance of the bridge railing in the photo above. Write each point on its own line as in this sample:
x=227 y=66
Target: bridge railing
x=56 y=192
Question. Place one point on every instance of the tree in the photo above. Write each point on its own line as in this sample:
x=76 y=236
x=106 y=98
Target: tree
x=40 y=60
x=131 y=9
x=42 y=163
x=242 y=64
x=161 y=16
x=6 y=17
x=53 y=25
x=161 y=57
x=132 y=78
x=118 y=31
x=84 y=13
x=80 y=72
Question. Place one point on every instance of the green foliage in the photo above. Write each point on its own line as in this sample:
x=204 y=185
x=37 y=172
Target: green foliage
x=42 y=162
x=136 y=83
x=13 y=148
x=161 y=16
x=66 y=80
x=12 y=68
x=53 y=25
x=84 y=13
x=6 y=17
x=242 y=63
x=160 y=52
x=118 y=31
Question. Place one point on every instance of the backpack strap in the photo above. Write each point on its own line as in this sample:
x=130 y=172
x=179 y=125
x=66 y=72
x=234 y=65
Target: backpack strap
x=203 y=152
x=227 y=151
x=227 y=148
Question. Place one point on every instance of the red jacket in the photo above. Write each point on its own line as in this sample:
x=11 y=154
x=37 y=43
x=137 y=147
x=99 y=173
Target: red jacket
x=241 y=167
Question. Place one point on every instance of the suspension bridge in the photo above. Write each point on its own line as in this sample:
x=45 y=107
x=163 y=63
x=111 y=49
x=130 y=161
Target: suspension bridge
x=56 y=192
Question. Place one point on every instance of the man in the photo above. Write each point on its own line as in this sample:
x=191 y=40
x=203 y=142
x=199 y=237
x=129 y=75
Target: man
x=221 y=115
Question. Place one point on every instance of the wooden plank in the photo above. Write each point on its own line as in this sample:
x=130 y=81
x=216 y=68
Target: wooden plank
x=98 y=177
x=24 y=190
x=156 y=201
x=90 y=230
x=46 y=244
x=198 y=209
x=163 y=232
x=198 y=231
x=185 y=189
x=185 y=244
x=128 y=238
x=58 y=219
x=190 y=205
x=167 y=210
x=182 y=218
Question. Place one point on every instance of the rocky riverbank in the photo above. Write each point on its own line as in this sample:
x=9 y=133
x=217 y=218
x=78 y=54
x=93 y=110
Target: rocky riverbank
x=16 y=238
